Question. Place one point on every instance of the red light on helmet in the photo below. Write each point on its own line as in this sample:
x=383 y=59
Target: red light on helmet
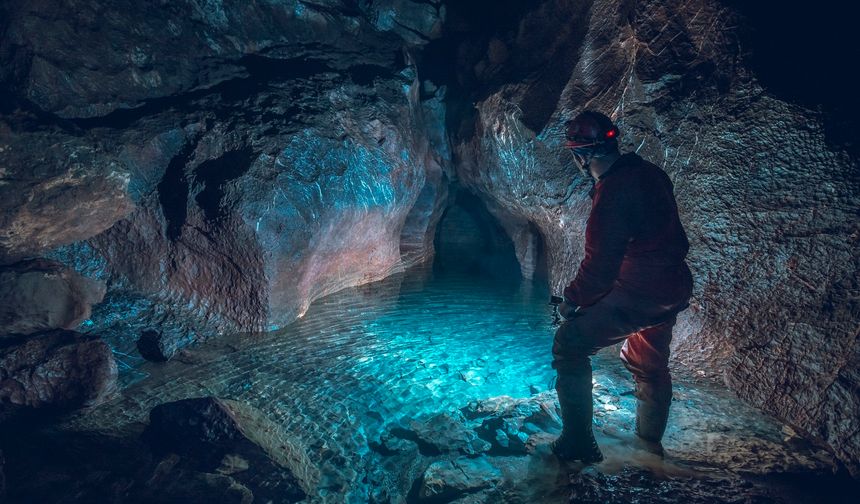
x=611 y=133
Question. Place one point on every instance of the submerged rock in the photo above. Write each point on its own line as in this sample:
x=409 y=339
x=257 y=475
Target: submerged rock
x=40 y=295
x=393 y=475
x=509 y=423
x=58 y=369
x=442 y=433
x=449 y=479
x=172 y=483
x=230 y=438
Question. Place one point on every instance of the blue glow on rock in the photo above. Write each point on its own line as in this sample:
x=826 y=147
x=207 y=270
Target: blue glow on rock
x=319 y=173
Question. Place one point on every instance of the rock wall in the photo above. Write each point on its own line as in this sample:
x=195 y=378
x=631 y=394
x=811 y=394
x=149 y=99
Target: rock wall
x=218 y=164
x=769 y=201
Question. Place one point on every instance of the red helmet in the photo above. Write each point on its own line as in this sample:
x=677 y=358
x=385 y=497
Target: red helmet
x=591 y=129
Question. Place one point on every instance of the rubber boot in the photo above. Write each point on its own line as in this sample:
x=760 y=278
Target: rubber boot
x=653 y=399
x=576 y=441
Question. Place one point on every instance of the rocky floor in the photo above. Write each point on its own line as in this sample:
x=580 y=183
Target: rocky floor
x=374 y=397
x=491 y=450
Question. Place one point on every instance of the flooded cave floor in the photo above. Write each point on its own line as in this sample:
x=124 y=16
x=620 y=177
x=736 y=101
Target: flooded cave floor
x=412 y=391
x=718 y=450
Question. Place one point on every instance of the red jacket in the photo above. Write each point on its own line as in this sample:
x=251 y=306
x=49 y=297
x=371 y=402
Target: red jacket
x=634 y=239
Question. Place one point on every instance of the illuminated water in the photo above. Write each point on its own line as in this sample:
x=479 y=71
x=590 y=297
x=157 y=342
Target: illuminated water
x=407 y=346
x=416 y=345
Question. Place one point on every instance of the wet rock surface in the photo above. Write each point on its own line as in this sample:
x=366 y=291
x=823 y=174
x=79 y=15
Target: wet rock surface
x=41 y=295
x=57 y=370
x=715 y=452
x=510 y=424
x=441 y=434
x=219 y=436
x=447 y=480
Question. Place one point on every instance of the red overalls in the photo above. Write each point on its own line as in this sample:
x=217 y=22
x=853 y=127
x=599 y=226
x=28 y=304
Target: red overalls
x=633 y=279
x=630 y=285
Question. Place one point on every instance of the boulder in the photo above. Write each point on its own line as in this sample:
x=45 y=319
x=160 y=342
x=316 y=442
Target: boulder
x=57 y=369
x=40 y=295
x=55 y=190
x=446 y=480
x=442 y=433
x=227 y=437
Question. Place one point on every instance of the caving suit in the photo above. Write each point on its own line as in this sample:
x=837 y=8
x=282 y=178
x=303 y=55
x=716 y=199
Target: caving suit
x=630 y=286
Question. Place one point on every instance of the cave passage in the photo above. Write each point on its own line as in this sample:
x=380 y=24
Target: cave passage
x=301 y=251
x=470 y=241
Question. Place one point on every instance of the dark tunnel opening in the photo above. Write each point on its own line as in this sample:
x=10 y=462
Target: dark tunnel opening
x=470 y=241
x=800 y=52
x=540 y=273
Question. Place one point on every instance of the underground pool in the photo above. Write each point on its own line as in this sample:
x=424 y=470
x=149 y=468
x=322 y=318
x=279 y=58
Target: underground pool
x=389 y=388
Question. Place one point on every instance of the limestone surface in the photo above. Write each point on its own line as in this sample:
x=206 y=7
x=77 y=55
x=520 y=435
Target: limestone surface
x=223 y=164
x=58 y=370
x=40 y=295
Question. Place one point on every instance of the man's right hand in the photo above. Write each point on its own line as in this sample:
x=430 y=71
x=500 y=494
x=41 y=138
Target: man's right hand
x=566 y=310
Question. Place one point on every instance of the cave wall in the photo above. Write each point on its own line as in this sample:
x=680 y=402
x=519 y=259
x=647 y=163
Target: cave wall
x=769 y=200
x=218 y=164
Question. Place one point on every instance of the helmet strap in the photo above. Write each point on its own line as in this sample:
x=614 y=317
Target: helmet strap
x=582 y=162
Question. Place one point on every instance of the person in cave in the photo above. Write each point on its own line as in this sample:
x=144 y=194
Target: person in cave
x=629 y=287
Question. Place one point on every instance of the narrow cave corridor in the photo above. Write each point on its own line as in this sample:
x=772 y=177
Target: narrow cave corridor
x=302 y=251
x=470 y=241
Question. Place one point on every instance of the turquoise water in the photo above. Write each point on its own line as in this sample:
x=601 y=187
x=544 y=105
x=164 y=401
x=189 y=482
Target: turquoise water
x=410 y=347
x=413 y=345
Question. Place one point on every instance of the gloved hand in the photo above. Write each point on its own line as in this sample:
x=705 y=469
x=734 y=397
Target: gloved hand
x=567 y=310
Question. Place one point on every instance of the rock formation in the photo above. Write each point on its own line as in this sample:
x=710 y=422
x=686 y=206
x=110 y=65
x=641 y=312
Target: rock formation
x=40 y=295
x=58 y=370
x=222 y=165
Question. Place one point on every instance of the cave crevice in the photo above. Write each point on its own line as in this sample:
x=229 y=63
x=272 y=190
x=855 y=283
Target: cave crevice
x=173 y=192
x=214 y=175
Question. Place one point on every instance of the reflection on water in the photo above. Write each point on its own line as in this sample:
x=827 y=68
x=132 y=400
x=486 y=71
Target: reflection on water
x=415 y=343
